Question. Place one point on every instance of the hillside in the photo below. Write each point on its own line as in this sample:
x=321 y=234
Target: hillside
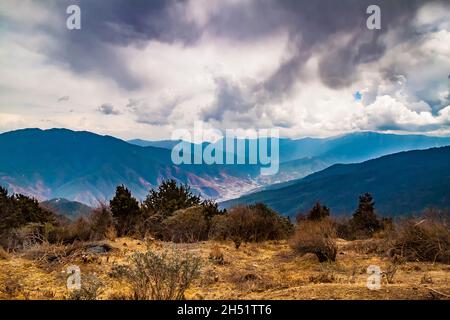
x=401 y=183
x=266 y=271
x=86 y=167
x=67 y=208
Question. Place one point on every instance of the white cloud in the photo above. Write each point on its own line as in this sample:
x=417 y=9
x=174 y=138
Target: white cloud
x=407 y=88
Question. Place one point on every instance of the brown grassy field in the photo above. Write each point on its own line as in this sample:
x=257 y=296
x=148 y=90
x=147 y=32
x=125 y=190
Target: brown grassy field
x=268 y=270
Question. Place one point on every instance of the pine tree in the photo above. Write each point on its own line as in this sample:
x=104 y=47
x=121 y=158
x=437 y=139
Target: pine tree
x=125 y=210
x=169 y=198
x=318 y=212
x=364 y=221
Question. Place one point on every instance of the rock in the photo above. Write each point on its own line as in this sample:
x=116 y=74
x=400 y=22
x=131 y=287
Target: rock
x=99 y=249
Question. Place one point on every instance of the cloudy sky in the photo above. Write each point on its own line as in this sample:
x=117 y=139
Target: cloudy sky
x=140 y=69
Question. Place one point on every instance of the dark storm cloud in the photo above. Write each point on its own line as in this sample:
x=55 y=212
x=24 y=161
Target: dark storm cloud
x=106 y=24
x=312 y=26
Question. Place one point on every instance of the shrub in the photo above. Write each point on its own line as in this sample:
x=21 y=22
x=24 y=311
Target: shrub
x=216 y=255
x=48 y=254
x=186 y=225
x=4 y=255
x=91 y=287
x=161 y=276
x=219 y=228
x=318 y=212
x=79 y=230
x=170 y=199
x=102 y=224
x=251 y=223
x=343 y=229
x=316 y=237
x=392 y=268
x=424 y=240
x=16 y=213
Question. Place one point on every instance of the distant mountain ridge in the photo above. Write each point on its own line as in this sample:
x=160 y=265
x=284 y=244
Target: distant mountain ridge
x=401 y=183
x=86 y=167
x=300 y=157
x=67 y=208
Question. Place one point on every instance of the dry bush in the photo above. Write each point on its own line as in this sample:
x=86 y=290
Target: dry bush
x=216 y=255
x=160 y=276
x=50 y=255
x=101 y=224
x=316 y=237
x=186 y=225
x=91 y=288
x=80 y=230
x=4 y=255
x=252 y=223
x=424 y=240
x=392 y=268
x=33 y=233
x=237 y=242
x=219 y=228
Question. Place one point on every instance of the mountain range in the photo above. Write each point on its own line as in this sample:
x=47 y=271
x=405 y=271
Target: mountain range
x=402 y=183
x=67 y=208
x=86 y=167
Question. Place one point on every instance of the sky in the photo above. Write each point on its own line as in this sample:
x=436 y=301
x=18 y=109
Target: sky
x=142 y=69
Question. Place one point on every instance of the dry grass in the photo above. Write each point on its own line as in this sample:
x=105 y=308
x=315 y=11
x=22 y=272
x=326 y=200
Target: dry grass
x=267 y=270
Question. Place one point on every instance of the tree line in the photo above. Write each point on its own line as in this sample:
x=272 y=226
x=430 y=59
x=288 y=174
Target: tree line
x=172 y=212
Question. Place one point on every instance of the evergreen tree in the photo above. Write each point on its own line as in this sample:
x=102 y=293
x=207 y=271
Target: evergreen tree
x=364 y=221
x=170 y=197
x=125 y=211
x=17 y=211
x=318 y=212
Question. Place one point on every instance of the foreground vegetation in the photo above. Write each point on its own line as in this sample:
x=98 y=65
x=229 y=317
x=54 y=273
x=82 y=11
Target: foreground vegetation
x=174 y=245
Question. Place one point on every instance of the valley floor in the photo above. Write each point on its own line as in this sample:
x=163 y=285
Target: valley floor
x=269 y=270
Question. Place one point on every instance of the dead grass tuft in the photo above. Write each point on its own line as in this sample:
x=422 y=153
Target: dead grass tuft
x=4 y=255
x=216 y=255
x=316 y=237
